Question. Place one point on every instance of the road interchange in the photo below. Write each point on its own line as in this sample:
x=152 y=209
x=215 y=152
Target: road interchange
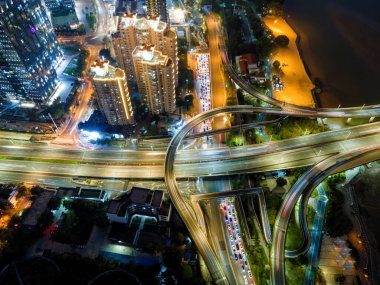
x=278 y=251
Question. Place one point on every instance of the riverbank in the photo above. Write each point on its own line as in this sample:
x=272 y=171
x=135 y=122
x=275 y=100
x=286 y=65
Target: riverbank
x=339 y=44
x=297 y=82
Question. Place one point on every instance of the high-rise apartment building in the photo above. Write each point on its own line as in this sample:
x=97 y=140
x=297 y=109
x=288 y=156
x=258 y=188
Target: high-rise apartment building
x=111 y=92
x=155 y=79
x=29 y=51
x=157 y=8
x=133 y=32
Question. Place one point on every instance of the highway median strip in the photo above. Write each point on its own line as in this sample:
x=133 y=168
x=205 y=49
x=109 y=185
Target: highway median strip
x=39 y=159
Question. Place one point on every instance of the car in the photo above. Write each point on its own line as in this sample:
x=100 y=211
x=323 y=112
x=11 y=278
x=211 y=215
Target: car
x=243 y=267
x=233 y=247
x=245 y=262
x=250 y=273
x=237 y=247
x=225 y=216
x=235 y=256
x=240 y=256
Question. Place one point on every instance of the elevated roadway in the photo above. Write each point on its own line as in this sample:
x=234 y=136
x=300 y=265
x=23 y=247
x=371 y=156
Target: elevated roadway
x=24 y=157
x=189 y=217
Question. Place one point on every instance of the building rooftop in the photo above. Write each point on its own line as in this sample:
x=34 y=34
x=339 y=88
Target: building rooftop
x=150 y=55
x=5 y=191
x=142 y=23
x=39 y=206
x=136 y=196
x=101 y=70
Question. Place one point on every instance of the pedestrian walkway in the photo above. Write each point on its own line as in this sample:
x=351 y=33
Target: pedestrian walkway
x=316 y=236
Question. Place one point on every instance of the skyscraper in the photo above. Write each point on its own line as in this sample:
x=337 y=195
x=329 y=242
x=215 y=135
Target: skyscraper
x=155 y=79
x=54 y=5
x=133 y=32
x=157 y=8
x=29 y=51
x=111 y=92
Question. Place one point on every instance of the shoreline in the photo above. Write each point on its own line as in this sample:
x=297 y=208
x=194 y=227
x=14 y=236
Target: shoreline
x=316 y=97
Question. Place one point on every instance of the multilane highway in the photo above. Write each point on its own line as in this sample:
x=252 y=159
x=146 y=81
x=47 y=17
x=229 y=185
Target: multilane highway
x=24 y=157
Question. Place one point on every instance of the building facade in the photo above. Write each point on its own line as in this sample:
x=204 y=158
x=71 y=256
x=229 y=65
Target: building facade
x=29 y=52
x=111 y=91
x=54 y=5
x=155 y=79
x=157 y=8
x=133 y=32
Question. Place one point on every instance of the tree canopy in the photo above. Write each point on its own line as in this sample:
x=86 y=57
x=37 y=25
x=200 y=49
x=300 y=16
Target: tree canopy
x=282 y=41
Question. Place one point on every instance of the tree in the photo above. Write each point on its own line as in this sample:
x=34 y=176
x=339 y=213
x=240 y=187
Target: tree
x=179 y=102
x=101 y=220
x=189 y=101
x=281 y=181
x=282 y=41
x=320 y=277
x=22 y=191
x=276 y=65
x=105 y=53
x=36 y=190
x=340 y=278
x=54 y=203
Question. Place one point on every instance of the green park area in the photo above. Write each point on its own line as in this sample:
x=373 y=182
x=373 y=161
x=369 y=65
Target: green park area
x=294 y=127
x=77 y=65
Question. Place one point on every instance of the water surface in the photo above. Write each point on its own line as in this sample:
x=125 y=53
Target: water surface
x=340 y=44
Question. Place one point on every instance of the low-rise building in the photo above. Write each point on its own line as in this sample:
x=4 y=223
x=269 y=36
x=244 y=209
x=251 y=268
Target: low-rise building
x=65 y=21
x=259 y=77
x=247 y=64
x=139 y=201
x=8 y=196
x=38 y=207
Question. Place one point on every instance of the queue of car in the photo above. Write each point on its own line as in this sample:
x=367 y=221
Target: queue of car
x=235 y=240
